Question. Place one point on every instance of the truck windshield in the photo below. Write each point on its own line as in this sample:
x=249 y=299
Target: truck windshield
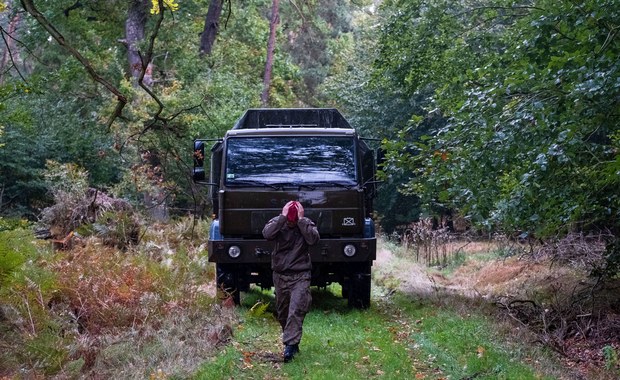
x=296 y=160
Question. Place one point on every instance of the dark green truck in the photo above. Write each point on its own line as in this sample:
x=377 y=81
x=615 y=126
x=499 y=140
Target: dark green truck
x=272 y=156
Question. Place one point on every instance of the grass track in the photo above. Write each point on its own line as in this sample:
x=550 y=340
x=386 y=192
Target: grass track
x=397 y=338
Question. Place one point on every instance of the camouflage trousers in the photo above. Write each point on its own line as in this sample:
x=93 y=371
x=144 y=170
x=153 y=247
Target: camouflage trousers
x=292 y=303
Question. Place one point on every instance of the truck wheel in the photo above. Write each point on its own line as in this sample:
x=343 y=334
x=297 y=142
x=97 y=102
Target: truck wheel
x=227 y=281
x=359 y=291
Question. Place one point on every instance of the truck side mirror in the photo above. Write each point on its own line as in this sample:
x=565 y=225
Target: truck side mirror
x=198 y=173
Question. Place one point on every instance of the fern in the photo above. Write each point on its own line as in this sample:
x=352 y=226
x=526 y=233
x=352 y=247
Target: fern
x=259 y=309
x=15 y=248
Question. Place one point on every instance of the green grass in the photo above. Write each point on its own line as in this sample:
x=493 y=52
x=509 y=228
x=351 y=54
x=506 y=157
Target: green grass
x=338 y=343
x=461 y=345
x=399 y=338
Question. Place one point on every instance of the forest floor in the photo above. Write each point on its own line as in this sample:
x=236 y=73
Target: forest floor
x=548 y=288
x=425 y=323
x=152 y=311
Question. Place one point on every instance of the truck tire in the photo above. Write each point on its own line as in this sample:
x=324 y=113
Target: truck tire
x=227 y=280
x=359 y=290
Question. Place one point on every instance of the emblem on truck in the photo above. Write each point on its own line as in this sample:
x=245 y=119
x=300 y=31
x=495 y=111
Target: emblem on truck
x=348 y=221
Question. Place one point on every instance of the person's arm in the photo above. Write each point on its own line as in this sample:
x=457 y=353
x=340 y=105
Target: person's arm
x=308 y=231
x=307 y=227
x=271 y=229
x=273 y=226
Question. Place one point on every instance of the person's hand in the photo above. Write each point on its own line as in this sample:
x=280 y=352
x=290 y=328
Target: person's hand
x=286 y=207
x=300 y=210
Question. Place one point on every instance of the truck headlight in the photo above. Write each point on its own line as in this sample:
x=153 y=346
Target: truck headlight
x=349 y=250
x=234 y=251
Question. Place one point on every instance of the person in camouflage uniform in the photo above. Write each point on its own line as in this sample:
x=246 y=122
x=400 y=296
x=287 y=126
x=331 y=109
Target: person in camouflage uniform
x=291 y=265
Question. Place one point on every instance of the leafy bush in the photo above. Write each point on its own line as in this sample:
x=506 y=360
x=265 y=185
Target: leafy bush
x=78 y=207
x=12 y=224
x=528 y=142
x=148 y=307
x=118 y=228
x=68 y=184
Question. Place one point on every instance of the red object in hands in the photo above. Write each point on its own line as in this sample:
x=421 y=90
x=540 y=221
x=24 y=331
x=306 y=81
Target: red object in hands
x=292 y=214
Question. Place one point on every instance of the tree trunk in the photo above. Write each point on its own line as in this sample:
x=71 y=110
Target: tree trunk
x=271 y=46
x=212 y=25
x=10 y=53
x=134 y=35
x=154 y=199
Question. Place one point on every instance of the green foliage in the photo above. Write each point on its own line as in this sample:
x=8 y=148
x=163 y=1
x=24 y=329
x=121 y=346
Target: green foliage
x=60 y=114
x=8 y=224
x=15 y=249
x=68 y=184
x=65 y=180
x=26 y=285
x=375 y=109
x=259 y=309
x=531 y=117
x=611 y=267
x=118 y=228
x=611 y=357
x=20 y=172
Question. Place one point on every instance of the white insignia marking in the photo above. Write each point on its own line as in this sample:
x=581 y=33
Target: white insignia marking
x=348 y=221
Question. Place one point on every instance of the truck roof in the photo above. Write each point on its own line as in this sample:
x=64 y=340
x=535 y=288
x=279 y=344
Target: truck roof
x=270 y=132
x=259 y=118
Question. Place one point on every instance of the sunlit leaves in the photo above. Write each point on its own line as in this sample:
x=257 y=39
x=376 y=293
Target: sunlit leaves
x=170 y=4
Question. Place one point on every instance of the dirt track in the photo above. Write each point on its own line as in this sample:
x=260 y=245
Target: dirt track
x=410 y=276
x=510 y=277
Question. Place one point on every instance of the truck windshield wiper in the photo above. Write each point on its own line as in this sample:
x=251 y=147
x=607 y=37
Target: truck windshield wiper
x=335 y=184
x=294 y=184
x=249 y=182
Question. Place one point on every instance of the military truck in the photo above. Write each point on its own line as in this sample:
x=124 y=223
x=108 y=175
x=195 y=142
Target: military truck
x=272 y=156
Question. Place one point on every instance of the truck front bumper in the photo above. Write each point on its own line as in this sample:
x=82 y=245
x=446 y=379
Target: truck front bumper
x=259 y=251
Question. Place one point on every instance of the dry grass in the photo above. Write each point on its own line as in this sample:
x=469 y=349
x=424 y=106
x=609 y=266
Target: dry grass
x=146 y=311
x=546 y=291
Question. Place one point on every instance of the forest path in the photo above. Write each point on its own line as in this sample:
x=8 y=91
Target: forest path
x=419 y=326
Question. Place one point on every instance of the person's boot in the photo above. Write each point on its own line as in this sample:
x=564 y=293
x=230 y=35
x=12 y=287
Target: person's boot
x=289 y=352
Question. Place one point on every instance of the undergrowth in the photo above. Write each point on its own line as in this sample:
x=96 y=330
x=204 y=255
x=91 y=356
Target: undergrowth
x=96 y=310
x=546 y=289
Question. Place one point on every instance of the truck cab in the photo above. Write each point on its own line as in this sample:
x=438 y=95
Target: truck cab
x=270 y=157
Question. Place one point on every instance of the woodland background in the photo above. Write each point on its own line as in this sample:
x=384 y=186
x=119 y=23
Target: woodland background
x=501 y=115
x=505 y=113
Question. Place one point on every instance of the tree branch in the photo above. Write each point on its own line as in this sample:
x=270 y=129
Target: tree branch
x=28 y=5
x=147 y=59
x=8 y=48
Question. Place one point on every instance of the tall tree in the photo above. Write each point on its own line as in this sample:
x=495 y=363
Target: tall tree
x=271 y=46
x=134 y=35
x=211 y=28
